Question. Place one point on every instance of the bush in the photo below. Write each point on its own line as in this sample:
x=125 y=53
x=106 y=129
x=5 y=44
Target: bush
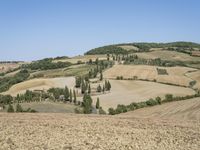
x=151 y=102
x=101 y=111
x=111 y=111
x=19 y=108
x=168 y=97
x=10 y=108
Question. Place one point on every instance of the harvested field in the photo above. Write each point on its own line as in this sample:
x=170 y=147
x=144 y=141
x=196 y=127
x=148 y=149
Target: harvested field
x=126 y=92
x=195 y=76
x=83 y=59
x=91 y=132
x=167 y=55
x=41 y=84
x=182 y=110
x=175 y=74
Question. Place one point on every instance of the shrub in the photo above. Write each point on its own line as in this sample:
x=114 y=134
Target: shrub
x=19 y=108
x=10 y=108
x=111 y=111
x=168 y=97
x=151 y=102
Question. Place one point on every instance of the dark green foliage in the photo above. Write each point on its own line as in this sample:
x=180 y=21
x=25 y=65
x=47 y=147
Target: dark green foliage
x=159 y=101
x=99 y=89
x=78 y=82
x=168 y=97
x=57 y=92
x=66 y=93
x=97 y=104
x=74 y=93
x=6 y=99
x=162 y=71
x=83 y=86
x=101 y=111
x=87 y=104
x=19 y=108
x=107 y=50
x=70 y=96
x=111 y=111
x=7 y=82
x=101 y=76
x=119 y=78
x=46 y=64
x=10 y=108
x=89 y=89
x=151 y=102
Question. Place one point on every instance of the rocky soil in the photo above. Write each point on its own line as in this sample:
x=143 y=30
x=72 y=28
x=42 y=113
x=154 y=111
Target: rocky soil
x=90 y=132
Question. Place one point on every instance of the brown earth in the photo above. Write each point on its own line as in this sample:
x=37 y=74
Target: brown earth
x=90 y=132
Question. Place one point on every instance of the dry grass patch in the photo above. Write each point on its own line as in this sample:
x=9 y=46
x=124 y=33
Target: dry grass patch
x=175 y=74
x=41 y=84
x=126 y=92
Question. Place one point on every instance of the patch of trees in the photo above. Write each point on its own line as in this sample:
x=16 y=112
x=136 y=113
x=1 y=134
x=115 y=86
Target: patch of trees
x=106 y=87
x=46 y=64
x=111 y=49
x=7 y=82
x=161 y=71
x=19 y=109
x=151 y=102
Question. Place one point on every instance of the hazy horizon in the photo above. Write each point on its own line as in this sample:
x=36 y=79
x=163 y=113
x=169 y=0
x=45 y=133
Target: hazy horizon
x=34 y=29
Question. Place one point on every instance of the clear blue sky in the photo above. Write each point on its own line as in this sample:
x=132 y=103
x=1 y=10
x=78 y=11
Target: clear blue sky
x=34 y=29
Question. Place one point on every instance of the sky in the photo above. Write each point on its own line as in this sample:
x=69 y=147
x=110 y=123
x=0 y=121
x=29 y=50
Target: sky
x=36 y=29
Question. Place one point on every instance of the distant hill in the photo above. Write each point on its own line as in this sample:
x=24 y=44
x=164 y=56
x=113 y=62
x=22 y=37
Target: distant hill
x=126 y=48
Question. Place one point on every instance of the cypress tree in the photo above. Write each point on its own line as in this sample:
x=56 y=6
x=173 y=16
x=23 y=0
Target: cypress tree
x=101 y=76
x=74 y=96
x=83 y=87
x=89 y=89
x=66 y=93
x=70 y=96
x=109 y=86
x=97 y=104
x=99 y=89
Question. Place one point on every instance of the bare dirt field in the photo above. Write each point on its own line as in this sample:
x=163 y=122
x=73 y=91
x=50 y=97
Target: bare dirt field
x=126 y=92
x=167 y=55
x=182 y=110
x=144 y=72
x=41 y=84
x=90 y=132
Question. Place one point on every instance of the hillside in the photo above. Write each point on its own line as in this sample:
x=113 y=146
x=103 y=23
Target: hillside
x=67 y=131
x=180 y=110
x=126 y=48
